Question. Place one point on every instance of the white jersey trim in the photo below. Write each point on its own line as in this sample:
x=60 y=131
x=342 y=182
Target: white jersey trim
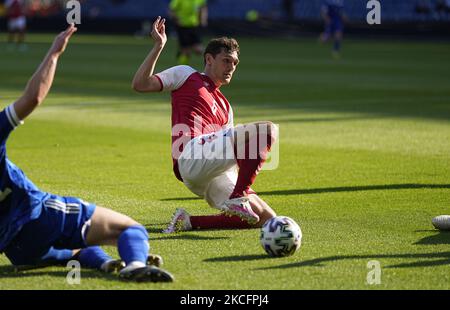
x=68 y=208
x=12 y=116
x=173 y=78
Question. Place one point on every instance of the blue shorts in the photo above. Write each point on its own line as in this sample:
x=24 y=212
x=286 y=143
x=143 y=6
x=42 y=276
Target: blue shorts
x=334 y=26
x=63 y=224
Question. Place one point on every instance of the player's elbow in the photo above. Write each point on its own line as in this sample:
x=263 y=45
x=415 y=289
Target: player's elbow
x=137 y=86
x=145 y=86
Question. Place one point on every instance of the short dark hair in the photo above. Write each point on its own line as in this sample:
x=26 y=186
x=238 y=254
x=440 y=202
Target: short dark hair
x=215 y=46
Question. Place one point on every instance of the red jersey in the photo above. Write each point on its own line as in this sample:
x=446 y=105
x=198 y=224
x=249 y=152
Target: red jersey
x=15 y=8
x=198 y=106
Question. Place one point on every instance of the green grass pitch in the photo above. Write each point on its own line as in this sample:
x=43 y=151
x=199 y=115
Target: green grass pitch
x=364 y=160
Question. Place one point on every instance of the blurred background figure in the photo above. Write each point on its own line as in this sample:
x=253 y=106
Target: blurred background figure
x=291 y=19
x=423 y=9
x=332 y=13
x=188 y=16
x=443 y=9
x=423 y=6
x=17 y=24
x=288 y=10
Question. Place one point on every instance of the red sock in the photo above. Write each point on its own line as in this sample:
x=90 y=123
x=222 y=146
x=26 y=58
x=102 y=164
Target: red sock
x=249 y=168
x=218 y=221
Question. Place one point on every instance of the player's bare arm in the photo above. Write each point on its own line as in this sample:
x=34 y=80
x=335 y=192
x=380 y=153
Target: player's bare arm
x=143 y=80
x=41 y=81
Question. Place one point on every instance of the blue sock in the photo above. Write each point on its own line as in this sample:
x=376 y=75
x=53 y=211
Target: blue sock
x=93 y=257
x=57 y=256
x=133 y=244
x=337 y=45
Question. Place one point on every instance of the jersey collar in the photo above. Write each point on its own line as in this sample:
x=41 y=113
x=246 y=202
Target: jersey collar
x=210 y=82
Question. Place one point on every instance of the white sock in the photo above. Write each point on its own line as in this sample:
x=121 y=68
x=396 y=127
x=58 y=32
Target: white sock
x=133 y=265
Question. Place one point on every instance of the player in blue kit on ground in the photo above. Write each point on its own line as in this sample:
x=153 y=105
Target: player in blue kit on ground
x=38 y=228
x=333 y=15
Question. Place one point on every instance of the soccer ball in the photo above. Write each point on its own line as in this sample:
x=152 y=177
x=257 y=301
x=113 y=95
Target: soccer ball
x=281 y=236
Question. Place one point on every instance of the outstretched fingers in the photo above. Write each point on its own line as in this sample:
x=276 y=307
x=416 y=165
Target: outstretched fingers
x=61 y=41
x=156 y=23
x=161 y=25
x=159 y=31
x=68 y=32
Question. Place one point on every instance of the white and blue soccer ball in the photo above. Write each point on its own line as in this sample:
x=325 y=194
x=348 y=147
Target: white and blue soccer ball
x=281 y=236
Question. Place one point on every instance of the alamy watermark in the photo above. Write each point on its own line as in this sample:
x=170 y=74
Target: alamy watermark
x=374 y=275
x=74 y=15
x=374 y=15
x=74 y=275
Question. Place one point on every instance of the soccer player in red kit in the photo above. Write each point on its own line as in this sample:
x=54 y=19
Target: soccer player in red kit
x=213 y=158
x=17 y=23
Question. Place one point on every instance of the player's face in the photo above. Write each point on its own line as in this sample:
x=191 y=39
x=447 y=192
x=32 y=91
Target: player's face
x=223 y=66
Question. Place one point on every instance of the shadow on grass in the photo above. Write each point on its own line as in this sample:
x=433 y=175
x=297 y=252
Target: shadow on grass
x=439 y=238
x=155 y=224
x=155 y=228
x=237 y=258
x=180 y=236
x=181 y=199
x=355 y=189
x=426 y=260
x=176 y=236
x=39 y=271
x=323 y=190
x=323 y=119
x=436 y=108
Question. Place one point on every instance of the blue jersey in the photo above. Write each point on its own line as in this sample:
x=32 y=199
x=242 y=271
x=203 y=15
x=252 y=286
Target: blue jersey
x=334 y=9
x=20 y=199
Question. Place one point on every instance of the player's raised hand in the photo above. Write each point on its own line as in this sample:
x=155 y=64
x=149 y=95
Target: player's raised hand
x=61 y=40
x=159 y=31
x=41 y=81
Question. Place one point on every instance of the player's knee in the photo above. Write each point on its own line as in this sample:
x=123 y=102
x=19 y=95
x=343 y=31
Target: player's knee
x=115 y=228
x=124 y=225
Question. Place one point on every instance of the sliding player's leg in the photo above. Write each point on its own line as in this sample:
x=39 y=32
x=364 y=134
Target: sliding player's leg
x=216 y=193
x=91 y=257
x=251 y=143
x=67 y=224
x=56 y=237
x=112 y=228
x=209 y=172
